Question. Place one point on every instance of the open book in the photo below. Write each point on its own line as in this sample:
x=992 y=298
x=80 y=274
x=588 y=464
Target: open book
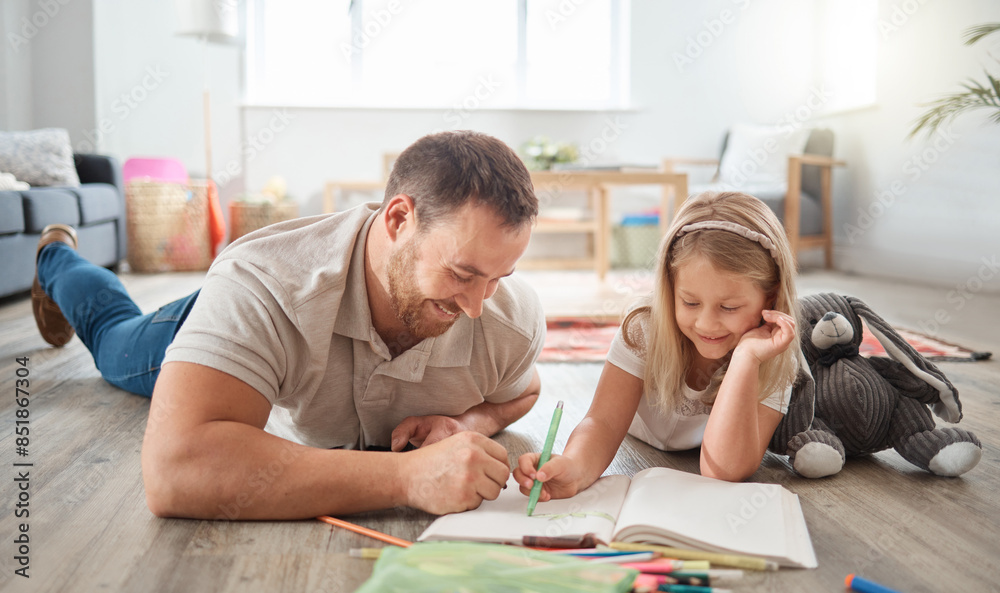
x=658 y=506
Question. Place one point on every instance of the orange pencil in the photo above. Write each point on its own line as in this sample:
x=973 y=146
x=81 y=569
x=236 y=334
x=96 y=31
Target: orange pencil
x=365 y=531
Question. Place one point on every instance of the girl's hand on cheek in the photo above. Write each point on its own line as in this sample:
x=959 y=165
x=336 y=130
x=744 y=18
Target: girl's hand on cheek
x=770 y=339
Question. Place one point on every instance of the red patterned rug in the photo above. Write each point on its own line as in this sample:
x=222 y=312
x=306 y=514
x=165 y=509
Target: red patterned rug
x=583 y=340
x=932 y=349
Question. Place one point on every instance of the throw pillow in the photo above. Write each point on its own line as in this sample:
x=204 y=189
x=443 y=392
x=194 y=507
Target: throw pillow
x=9 y=182
x=39 y=157
x=758 y=155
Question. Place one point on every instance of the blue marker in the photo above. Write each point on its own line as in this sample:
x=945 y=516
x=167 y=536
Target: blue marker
x=856 y=583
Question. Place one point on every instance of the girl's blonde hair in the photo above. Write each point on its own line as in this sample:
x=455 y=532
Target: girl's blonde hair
x=668 y=352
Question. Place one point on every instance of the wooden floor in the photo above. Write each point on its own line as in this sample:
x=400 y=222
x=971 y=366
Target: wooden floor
x=89 y=529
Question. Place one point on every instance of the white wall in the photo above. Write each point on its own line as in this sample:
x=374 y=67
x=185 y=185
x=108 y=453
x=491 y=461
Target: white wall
x=150 y=85
x=923 y=208
x=755 y=67
x=62 y=65
x=47 y=65
x=15 y=66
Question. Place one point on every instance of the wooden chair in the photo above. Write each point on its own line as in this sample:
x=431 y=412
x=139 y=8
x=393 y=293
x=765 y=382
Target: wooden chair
x=805 y=207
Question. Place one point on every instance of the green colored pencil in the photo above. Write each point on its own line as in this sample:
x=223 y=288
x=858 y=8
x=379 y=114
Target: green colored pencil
x=536 y=488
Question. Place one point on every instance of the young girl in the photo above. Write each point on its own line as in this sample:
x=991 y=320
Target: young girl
x=708 y=360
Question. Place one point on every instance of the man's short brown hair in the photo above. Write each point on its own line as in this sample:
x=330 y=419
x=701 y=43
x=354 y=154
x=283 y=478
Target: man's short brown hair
x=442 y=172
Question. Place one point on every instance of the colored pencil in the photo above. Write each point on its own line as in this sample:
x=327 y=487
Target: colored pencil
x=536 y=488
x=746 y=562
x=666 y=565
x=596 y=552
x=636 y=557
x=690 y=589
x=365 y=531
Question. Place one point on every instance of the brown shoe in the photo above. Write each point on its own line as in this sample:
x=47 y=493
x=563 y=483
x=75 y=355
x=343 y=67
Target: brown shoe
x=49 y=319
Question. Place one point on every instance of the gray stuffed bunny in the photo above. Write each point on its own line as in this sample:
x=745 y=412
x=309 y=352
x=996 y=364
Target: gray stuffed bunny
x=853 y=406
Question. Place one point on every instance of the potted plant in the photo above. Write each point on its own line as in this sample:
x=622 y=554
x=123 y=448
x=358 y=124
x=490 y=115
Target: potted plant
x=977 y=94
x=540 y=153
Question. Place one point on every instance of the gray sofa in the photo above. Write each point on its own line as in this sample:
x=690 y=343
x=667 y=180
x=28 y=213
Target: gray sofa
x=96 y=209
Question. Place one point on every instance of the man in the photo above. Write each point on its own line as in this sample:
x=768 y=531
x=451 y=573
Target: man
x=315 y=341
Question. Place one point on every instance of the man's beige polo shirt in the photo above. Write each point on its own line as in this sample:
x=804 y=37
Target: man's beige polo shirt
x=285 y=310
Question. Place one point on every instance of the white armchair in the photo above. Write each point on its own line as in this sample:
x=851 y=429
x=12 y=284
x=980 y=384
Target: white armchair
x=790 y=170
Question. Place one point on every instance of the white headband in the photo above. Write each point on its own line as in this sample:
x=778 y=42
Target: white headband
x=732 y=227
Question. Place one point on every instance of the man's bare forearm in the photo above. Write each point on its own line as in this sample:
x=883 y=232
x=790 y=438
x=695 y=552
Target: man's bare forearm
x=210 y=458
x=227 y=470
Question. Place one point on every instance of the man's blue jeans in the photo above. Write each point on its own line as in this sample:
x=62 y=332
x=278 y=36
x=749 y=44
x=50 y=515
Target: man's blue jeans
x=127 y=346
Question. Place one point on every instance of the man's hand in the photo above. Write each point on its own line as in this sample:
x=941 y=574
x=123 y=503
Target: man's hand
x=486 y=418
x=455 y=474
x=424 y=430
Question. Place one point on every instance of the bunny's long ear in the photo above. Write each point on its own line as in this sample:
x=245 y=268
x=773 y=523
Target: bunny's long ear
x=948 y=407
x=801 y=409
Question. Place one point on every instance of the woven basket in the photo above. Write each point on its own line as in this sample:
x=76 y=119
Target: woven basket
x=247 y=217
x=167 y=226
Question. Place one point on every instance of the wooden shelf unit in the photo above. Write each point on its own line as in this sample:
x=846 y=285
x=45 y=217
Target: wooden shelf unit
x=597 y=183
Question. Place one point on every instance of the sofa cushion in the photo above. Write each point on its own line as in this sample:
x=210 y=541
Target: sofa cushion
x=98 y=202
x=810 y=211
x=48 y=206
x=39 y=157
x=759 y=154
x=17 y=262
x=11 y=213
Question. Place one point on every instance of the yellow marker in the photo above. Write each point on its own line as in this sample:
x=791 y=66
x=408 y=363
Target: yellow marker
x=745 y=562
x=366 y=553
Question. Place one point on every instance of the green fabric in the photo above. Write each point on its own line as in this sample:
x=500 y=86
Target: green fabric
x=474 y=567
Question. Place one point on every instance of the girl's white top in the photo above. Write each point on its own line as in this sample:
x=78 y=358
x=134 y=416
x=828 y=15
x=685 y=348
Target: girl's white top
x=670 y=430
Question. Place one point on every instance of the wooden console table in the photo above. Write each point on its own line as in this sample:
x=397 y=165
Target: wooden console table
x=596 y=184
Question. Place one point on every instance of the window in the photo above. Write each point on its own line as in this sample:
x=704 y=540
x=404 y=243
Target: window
x=565 y=54
x=848 y=46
